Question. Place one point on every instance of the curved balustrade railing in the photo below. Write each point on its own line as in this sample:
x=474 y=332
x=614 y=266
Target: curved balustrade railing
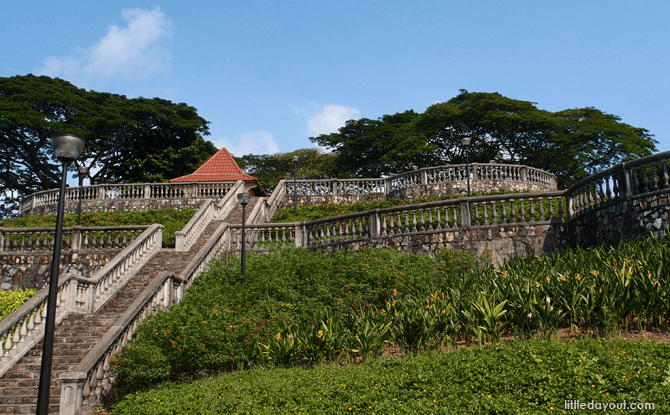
x=132 y=191
x=76 y=238
x=622 y=181
x=518 y=208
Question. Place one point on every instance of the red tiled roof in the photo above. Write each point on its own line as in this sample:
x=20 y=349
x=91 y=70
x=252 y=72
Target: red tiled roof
x=220 y=167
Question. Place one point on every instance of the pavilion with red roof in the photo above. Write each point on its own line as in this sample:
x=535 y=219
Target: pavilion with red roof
x=221 y=167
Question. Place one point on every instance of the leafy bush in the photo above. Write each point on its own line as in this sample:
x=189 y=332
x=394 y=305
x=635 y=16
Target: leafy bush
x=524 y=377
x=11 y=300
x=172 y=219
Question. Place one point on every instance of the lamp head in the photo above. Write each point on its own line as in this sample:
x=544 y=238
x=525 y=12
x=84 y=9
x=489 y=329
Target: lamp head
x=67 y=147
x=295 y=159
x=243 y=198
x=83 y=170
x=465 y=141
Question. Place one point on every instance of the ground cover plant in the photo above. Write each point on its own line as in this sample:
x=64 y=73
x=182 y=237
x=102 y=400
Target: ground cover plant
x=521 y=377
x=11 y=300
x=303 y=308
x=172 y=219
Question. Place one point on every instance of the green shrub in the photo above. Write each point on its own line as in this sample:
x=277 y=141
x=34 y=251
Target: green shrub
x=11 y=300
x=172 y=219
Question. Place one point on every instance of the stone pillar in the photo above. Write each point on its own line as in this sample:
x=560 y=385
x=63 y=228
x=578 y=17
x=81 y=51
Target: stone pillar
x=299 y=236
x=465 y=214
x=524 y=174
x=71 y=395
x=424 y=177
x=75 y=243
x=147 y=190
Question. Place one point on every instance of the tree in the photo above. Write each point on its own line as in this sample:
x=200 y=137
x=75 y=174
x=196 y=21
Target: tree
x=127 y=140
x=269 y=169
x=570 y=143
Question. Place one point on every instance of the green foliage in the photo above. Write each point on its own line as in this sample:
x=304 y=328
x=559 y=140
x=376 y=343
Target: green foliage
x=127 y=140
x=172 y=219
x=11 y=300
x=301 y=307
x=525 y=377
x=570 y=143
x=269 y=169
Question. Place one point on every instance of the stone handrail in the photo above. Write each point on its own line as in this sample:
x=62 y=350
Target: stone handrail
x=622 y=181
x=276 y=200
x=208 y=212
x=92 y=379
x=24 y=328
x=177 y=190
x=117 y=272
x=75 y=238
x=217 y=244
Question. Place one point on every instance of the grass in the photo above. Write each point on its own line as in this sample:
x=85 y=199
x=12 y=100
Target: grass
x=172 y=219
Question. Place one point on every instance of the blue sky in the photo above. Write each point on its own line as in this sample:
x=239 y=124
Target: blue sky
x=270 y=74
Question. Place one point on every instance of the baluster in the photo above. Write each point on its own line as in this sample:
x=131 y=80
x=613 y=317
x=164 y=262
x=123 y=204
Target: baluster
x=455 y=216
x=346 y=230
x=645 y=179
x=423 y=221
x=327 y=233
x=494 y=212
x=655 y=176
x=109 y=238
x=636 y=183
x=391 y=225
x=541 y=202
x=384 y=225
x=283 y=237
x=23 y=240
x=406 y=215
x=430 y=219
x=414 y=221
x=475 y=214
x=486 y=213
x=340 y=232
x=513 y=218
x=37 y=240
x=439 y=219
x=665 y=173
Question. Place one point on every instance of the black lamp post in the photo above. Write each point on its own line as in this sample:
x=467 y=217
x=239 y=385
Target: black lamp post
x=465 y=142
x=295 y=187
x=244 y=199
x=66 y=149
x=83 y=171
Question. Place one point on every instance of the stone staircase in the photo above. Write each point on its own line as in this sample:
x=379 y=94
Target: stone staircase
x=77 y=335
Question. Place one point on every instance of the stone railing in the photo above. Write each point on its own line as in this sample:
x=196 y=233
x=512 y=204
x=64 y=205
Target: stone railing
x=24 y=328
x=449 y=179
x=462 y=213
x=75 y=238
x=86 y=385
x=92 y=379
x=127 y=194
x=208 y=212
x=622 y=181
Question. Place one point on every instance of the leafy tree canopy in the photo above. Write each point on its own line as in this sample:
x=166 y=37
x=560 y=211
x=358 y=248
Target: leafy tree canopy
x=269 y=169
x=127 y=140
x=571 y=143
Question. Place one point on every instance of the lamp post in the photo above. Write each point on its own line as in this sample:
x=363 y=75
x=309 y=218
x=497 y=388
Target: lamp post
x=244 y=199
x=465 y=142
x=66 y=149
x=83 y=171
x=295 y=188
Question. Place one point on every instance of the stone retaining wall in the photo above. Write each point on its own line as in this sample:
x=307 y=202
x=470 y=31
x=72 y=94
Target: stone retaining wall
x=31 y=270
x=118 y=205
x=461 y=188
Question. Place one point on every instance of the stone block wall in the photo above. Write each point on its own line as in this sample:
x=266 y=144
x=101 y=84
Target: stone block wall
x=502 y=242
x=31 y=270
x=461 y=188
x=621 y=219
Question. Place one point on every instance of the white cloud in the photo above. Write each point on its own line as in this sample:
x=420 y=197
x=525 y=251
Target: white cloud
x=134 y=51
x=254 y=142
x=330 y=119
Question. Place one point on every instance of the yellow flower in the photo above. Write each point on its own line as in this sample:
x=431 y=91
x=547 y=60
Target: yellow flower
x=319 y=334
x=578 y=277
x=595 y=273
x=548 y=278
x=278 y=336
x=537 y=284
x=395 y=292
x=649 y=274
x=505 y=274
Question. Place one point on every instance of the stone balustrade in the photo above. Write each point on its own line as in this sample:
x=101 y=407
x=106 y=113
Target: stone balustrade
x=24 y=328
x=133 y=196
x=75 y=238
x=84 y=387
